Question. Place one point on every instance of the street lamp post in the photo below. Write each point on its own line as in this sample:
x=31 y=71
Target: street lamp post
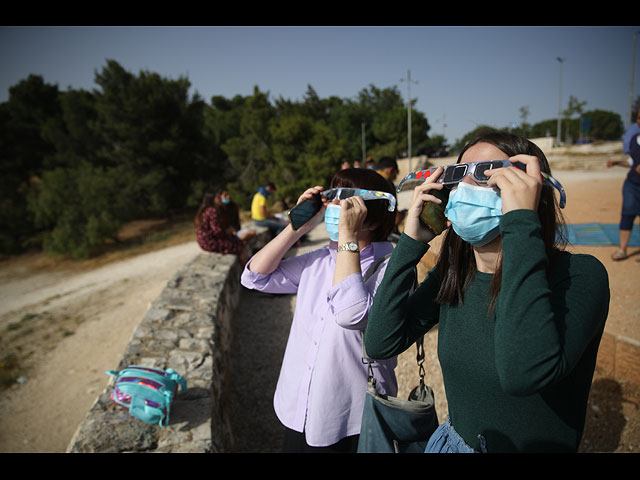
x=559 y=101
x=364 y=146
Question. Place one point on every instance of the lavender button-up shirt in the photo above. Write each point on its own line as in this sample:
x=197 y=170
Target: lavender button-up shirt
x=322 y=383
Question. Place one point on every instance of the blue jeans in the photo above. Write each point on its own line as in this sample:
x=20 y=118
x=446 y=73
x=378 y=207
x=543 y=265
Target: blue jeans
x=630 y=204
x=446 y=440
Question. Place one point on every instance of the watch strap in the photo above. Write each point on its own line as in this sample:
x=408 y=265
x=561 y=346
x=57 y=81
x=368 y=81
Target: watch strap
x=349 y=247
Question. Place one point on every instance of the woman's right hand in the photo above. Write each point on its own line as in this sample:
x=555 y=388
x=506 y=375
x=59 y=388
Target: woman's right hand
x=414 y=226
x=317 y=218
x=308 y=193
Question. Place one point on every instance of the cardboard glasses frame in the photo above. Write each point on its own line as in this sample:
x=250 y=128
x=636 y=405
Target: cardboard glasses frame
x=453 y=174
x=305 y=211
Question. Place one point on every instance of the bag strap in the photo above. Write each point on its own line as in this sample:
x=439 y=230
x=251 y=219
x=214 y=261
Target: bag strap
x=419 y=342
x=374 y=267
x=370 y=271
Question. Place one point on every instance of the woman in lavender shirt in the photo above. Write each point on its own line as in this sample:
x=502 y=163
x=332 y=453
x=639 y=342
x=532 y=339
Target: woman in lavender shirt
x=320 y=392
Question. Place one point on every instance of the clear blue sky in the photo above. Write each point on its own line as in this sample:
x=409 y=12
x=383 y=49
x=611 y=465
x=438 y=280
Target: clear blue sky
x=461 y=76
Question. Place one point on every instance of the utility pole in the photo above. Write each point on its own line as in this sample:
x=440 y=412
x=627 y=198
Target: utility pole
x=559 y=101
x=408 y=80
x=444 y=125
x=364 y=147
x=633 y=60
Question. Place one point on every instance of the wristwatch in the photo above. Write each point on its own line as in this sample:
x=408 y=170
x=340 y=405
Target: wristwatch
x=349 y=247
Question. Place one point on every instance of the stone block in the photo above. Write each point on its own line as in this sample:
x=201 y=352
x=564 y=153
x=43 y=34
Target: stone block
x=187 y=328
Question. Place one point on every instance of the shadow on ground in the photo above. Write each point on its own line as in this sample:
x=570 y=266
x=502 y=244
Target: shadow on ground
x=260 y=336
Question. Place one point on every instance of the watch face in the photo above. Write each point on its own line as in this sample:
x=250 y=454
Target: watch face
x=353 y=246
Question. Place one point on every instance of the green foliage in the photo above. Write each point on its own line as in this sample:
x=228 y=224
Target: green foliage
x=31 y=107
x=546 y=128
x=299 y=144
x=79 y=207
x=76 y=165
x=603 y=126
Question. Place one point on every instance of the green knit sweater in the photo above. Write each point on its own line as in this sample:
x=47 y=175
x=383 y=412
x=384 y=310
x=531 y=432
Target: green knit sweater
x=520 y=376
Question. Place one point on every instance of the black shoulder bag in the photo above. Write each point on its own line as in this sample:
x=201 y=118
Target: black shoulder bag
x=391 y=424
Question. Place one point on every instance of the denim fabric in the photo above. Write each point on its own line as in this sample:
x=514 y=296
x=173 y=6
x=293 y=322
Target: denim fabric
x=446 y=440
x=630 y=204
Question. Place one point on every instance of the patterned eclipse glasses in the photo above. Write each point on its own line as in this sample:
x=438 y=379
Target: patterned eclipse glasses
x=342 y=193
x=455 y=173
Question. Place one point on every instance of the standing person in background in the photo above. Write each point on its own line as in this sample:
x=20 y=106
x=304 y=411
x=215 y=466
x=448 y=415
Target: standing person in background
x=632 y=131
x=519 y=318
x=370 y=163
x=260 y=210
x=630 y=188
x=388 y=168
x=321 y=389
x=217 y=225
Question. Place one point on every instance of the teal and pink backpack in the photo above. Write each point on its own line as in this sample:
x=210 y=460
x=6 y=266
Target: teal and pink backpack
x=146 y=392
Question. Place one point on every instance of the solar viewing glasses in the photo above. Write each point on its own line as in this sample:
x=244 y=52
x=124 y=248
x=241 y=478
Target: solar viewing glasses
x=453 y=174
x=343 y=192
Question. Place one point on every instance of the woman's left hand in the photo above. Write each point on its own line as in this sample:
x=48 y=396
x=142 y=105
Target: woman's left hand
x=518 y=189
x=352 y=215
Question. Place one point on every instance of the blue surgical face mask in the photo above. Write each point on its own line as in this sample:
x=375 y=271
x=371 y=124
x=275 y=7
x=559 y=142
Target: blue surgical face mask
x=331 y=218
x=225 y=200
x=474 y=213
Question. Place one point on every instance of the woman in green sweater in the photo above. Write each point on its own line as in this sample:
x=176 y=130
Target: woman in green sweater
x=519 y=318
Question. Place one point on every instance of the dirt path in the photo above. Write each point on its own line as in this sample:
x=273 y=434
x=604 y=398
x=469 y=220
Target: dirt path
x=78 y=324
x=78 y=327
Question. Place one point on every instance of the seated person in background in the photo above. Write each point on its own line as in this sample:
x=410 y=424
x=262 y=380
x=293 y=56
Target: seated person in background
x=260 y=212
x=217 y=225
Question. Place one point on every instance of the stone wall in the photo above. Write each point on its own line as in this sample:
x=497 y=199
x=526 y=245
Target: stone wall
x=189 y=328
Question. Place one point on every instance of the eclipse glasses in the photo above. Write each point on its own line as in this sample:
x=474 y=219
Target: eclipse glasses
x=306 y=210
x=453 y=174
x=342 y=192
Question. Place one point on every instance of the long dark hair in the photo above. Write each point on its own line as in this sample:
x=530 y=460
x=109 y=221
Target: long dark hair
x=228 y=212
x=457 y=264
x=377 y=210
